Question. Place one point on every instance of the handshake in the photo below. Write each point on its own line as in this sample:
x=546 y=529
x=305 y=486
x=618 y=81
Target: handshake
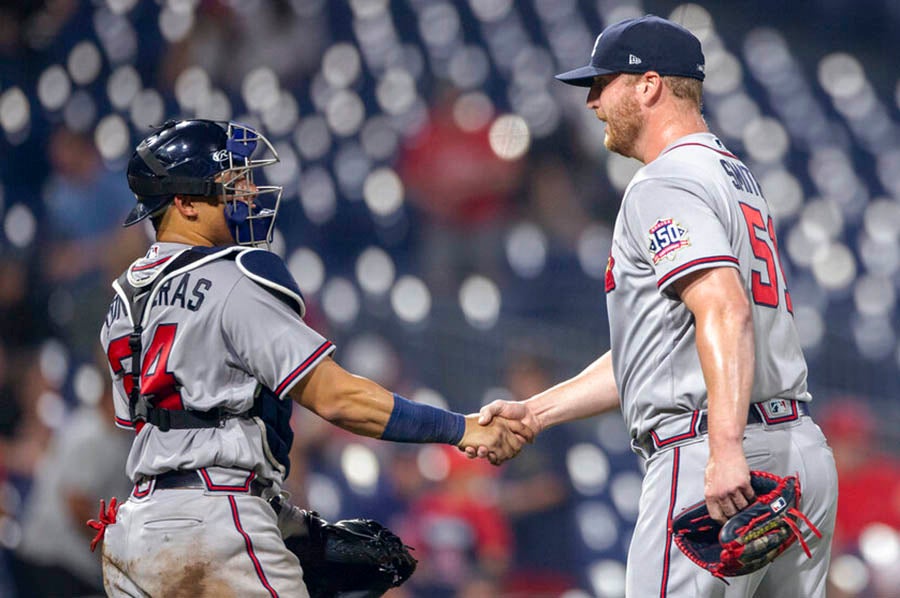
x=499 y=431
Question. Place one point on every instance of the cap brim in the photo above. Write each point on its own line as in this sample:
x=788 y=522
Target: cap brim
x=582 y=76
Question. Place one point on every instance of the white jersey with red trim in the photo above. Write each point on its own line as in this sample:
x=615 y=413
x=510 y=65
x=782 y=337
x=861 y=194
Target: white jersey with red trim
x=696 y=206
x=212 y=337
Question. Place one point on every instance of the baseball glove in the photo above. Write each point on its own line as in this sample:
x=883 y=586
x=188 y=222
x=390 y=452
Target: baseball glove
x=752 y=538
x=353 y=556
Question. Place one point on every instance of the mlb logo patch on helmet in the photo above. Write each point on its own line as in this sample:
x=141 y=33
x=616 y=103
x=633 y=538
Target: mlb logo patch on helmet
x=665 y=238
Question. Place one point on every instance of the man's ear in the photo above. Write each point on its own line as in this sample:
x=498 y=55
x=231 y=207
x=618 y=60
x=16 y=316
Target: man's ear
x=650 y=87
x=185 y=206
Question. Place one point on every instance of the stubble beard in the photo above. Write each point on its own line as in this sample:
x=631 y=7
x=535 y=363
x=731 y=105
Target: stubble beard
x=623 y=125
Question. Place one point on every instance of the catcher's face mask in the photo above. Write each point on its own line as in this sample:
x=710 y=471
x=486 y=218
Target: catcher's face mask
x=250 y=209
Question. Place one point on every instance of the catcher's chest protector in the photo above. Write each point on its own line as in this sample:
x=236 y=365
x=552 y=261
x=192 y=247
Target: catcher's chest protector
x=138 y=292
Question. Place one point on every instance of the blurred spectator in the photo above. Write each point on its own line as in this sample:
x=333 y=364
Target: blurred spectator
x=84 y=462
x=86 y=245
x=35 y=23
x=554 y=202
x=30 y=392
x=6 y=524
x=232 y=38
x=10 y=410
x=23 y=316
x=868 y=501
x=868 y=478
x=464 y=191
x=535 y=494
x=461 y=536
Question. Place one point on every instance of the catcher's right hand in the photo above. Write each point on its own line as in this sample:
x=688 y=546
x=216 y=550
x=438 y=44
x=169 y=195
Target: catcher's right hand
x=353 y=555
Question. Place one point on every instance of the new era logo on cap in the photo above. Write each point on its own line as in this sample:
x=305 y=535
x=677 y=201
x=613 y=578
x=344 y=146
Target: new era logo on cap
x=649 y=43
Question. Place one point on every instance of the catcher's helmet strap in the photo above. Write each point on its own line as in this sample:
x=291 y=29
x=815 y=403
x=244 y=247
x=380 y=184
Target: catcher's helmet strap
x=167 y=184
x=174 y=185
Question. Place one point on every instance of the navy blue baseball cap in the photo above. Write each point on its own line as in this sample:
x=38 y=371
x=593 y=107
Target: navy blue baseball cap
x=649 y=43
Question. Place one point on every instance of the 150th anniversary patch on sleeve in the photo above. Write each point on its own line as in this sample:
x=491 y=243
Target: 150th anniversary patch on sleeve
x=666 y=238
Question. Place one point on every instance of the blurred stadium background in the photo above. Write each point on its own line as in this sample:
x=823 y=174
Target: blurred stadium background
x=447 y=212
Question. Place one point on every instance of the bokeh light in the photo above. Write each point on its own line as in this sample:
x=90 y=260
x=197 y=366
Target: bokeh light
x=307 y=268
x=360 y=466
x=317 y=195
x=15 y=113
x=54 y=87
x=340 y=301
x=123 y=85
x=509 y=137
x=112 y=137
x=383 y=192
x=375 y=271
x=588 y=468
x=341 y=65
x=411 y=299
x=19 y=225
x=473 y=111
x=89 y=384
x=607 y=579
x=84 y=63
x=598 y=525
x=345 y=113
x=479 y=298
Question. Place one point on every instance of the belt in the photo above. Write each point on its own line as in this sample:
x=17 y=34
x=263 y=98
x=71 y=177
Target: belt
x=755 y=416
x=191 y=478
x=770 y=413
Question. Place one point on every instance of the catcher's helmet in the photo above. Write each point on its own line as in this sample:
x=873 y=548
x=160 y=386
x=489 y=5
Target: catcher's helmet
x=206 y=158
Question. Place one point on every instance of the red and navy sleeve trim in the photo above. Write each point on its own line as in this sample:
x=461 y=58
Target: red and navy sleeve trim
x=713 y=259
x=124 y=423
x=301 y=369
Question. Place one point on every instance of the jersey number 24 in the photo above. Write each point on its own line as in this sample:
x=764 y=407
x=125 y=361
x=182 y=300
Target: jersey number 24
x=157 y=382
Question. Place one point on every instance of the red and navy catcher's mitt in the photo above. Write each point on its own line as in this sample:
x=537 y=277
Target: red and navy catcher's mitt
x=752 y=538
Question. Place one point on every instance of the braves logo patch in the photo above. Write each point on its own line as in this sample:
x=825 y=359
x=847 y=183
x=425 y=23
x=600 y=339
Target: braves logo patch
x=667 y=237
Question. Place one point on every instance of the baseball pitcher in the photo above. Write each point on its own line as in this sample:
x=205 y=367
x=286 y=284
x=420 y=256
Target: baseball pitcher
x=705 y=361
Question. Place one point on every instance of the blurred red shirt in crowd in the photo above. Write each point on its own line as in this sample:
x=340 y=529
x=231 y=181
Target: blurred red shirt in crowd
x=868 y=479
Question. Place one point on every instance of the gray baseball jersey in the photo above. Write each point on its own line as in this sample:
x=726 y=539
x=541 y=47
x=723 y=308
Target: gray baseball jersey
x=212 y=336
x=696 y=206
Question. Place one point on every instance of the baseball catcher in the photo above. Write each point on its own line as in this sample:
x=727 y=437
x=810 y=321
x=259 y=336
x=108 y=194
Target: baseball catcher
x=752 y=538
x=208 y=352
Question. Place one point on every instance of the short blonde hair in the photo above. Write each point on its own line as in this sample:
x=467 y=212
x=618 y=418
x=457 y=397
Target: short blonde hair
x=686 y=88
